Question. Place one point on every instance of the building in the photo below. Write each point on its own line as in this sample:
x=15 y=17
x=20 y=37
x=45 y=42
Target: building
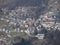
x=40 y=36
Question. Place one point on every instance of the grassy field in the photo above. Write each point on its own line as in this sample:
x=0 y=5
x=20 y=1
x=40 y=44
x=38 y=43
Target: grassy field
x=22 y=35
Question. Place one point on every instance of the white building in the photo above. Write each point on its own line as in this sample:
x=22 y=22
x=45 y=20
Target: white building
x=40 y=36
x=2 y=19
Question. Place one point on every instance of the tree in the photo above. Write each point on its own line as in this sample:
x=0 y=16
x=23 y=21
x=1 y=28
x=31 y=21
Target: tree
x=52 y=38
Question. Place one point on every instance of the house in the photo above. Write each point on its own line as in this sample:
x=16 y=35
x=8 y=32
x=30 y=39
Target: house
x=57 y=25
x=3 y=29
x=26 y=25
x=7 y=20
x=2 y=19
x=21 y=31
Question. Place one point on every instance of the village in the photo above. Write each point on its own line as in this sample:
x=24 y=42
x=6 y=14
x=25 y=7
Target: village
x=21 y=20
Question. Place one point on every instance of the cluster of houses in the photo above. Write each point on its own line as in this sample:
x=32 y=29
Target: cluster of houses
x=49 y=20
x=16 y=23
x=19 y=20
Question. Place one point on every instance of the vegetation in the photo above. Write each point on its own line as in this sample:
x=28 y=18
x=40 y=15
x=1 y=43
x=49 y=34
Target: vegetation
x=52 y=38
